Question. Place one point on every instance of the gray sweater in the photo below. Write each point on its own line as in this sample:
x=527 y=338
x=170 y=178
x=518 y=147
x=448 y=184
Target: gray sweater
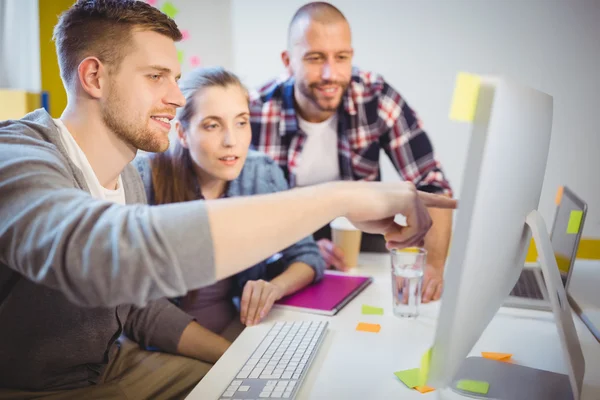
x=86 y=270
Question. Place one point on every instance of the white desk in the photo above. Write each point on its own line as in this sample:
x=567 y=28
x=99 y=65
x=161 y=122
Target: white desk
x=360 y=365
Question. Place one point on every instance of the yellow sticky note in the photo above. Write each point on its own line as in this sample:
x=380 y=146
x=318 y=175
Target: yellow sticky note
x=410 y=377
x=365 y=327
x=180 y=56
x=496 y=356
x=370 y=310
x=464 y=100
x=467 y=385
x=559 y=194
x=424 y=369
x=424 y=389
x=574 y=222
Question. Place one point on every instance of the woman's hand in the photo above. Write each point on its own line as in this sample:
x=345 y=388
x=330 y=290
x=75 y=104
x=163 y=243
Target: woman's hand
x=257 y=299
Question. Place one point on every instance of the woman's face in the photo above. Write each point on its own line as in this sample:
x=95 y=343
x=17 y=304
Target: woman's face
x=219 y=133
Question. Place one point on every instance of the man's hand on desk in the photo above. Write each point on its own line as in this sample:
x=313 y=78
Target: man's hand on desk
x=257 y=299
x=433 y=284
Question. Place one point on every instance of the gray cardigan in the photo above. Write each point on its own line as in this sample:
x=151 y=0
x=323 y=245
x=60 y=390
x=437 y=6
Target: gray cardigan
x=86 y=269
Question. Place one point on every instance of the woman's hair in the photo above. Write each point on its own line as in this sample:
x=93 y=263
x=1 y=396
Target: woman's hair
x=173 y=176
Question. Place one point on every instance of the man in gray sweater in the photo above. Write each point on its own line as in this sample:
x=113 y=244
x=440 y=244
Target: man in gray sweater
x=84 y=260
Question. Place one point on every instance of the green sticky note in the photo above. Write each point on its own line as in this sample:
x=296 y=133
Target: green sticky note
x=480 y=387
x=574 y=222
x=169 y=9
x=410 y=377
x=180 y=56
x=424 y=369
x=464 y=100
x=370 y=310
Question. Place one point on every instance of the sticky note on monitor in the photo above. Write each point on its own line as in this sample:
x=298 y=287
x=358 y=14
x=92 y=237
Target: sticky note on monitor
x=464 y=100
x=365 y=327
x=424 y=369
x=479 y=387
x=574 y=222
x=370 y=310
x=410 y=377
x=497 y=356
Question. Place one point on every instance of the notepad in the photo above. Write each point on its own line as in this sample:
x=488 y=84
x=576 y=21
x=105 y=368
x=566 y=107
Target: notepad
x=327 y=296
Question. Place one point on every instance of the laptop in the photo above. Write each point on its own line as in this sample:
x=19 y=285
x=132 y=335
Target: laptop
x=530 y=291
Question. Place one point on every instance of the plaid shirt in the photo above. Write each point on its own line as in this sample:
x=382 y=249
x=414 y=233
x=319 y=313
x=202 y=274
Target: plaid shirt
x=371 y=116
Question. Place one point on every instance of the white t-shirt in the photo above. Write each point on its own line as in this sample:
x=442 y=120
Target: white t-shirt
x=318 y=161
x=78 y=158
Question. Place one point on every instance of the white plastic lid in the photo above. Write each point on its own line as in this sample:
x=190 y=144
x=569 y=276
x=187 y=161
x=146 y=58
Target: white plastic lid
x=343 y=224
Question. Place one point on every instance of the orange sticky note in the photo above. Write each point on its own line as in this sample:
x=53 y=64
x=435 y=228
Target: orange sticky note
x=497 y=356
x=424 y=389
x=559 y=194
x=365 y=327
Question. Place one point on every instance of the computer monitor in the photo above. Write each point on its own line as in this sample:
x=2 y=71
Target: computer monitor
x=502 y=184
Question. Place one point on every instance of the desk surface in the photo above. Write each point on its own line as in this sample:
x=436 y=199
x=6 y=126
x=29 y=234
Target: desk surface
x=360 y=365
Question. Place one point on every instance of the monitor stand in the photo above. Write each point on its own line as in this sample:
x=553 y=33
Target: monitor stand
x=516 y=382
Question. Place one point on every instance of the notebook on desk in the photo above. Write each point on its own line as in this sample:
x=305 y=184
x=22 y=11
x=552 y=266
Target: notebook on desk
x=328 y=296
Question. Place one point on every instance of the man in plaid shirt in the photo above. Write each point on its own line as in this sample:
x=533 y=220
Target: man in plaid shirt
x=328 y=121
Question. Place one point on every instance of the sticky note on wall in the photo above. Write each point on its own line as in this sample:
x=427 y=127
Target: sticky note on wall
x=574 y=222
x=464 y=100
x=169 y=9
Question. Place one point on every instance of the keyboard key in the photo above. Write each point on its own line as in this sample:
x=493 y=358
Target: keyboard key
x=228 y=393
x=296 y=376
x=242 y=375
x=254 y=375
x=276 y=395
x=243 y=388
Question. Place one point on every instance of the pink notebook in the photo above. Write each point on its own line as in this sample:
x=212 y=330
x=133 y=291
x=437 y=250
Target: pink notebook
x=328 y=296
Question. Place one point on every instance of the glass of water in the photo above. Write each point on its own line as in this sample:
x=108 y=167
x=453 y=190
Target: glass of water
x=408 y=266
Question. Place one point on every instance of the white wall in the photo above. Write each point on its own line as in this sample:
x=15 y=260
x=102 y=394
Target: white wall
x=208 y=23
x=20 y=45
x=419 y=46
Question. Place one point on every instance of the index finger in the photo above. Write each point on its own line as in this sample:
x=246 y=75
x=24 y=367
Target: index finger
x=437 y=200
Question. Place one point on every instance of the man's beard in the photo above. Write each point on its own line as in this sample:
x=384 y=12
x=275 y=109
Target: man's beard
x=309 y=93
x=133 y=130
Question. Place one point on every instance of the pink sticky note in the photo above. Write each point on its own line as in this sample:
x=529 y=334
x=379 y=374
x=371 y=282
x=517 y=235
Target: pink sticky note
x=151 y=2
x=195 y=61
x=185 y=34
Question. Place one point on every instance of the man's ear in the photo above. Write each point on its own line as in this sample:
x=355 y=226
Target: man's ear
x=92 y=76
x=181 y=136
x=285 y=58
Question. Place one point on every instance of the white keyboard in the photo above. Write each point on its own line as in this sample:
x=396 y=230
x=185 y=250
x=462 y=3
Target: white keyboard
x=279 y=364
